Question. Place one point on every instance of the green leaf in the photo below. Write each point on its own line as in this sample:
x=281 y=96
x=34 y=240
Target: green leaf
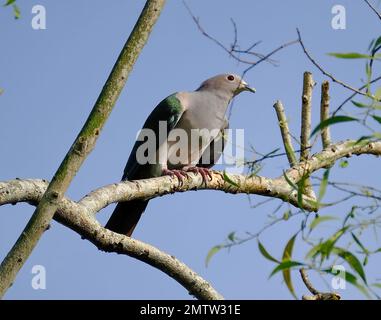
x=352 y=55
x=16 y=11
x=376 y=285
x=227 y=179
x=351 y=214
x=265 y=253
x=360 y=105
x=286 y=215
x=323 y=185
x=285 y=265
x=287 y=254
x=352 y=261
x=231 y=236
x=293 y=185
x=321 y=219
x=377 y=94
x=9 y=2
x=327 y=246
x=344 y=163
x=377 y=43
x=313 y=252
x=331 y=121
x=357 y=240
x=211 y=253
x=301 y=189
x=352 y=279
x=378 y=119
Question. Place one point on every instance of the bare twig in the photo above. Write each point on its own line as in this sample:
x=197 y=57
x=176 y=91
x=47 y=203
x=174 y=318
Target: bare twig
x=324 y=114
x=373 y=8
x=327 y=73
x=353 y=95
x=308 y=84
x=234 y=50
x=316 y=294
x=305 y=131
x=285 y=133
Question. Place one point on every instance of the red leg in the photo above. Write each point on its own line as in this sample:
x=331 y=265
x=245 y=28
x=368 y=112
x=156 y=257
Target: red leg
x=205 y=172
x=180 y=174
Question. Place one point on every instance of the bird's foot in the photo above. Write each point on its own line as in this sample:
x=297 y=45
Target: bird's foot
x=180 y=174
x=205 y=172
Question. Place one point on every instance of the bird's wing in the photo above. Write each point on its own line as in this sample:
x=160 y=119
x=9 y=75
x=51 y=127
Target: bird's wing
x=216 y=147
x=170 y=110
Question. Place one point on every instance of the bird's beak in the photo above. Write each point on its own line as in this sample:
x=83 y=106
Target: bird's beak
x=245 y=87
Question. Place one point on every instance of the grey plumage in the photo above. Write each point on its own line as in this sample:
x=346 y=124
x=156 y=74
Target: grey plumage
x=204 y=108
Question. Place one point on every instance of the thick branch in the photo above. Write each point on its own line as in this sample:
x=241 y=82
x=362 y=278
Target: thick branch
x=77 y=217
x=14 y=191
x=81 y=147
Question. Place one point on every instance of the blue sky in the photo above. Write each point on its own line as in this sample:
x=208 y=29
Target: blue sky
x=51 y=79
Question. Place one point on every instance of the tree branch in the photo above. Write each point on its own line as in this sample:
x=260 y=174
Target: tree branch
x=81 y=147
x=316 y=294
x=80 y=218
x=324 y=114
x=285 y=133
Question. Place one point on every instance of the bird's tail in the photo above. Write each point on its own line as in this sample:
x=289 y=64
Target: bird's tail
x=126 y=216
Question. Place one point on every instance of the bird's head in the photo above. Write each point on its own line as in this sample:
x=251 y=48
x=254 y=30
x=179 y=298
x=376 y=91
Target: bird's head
x=229 y=83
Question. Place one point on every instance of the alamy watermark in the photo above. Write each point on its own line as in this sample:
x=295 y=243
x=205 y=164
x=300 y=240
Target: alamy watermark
x=39 y=279
x=188 y=147
x=39 y=19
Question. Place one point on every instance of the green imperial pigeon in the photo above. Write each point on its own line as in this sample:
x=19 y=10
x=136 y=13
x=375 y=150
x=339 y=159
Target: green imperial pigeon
x=184 y=133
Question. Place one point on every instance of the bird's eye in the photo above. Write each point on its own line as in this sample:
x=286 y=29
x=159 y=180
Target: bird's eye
x=230 y=78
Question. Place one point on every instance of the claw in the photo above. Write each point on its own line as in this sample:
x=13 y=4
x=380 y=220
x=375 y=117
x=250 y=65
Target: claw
x=180 y=174
x=205 y=173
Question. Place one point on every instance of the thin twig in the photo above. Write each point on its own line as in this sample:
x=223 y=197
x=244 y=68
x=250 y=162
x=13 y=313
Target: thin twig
x=285 y=133
x=353 y=95
x=324 y=114
x=373 y=8
x=327 y=73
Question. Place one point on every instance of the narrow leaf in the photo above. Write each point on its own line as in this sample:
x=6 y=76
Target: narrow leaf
x=211 y=253
x=352 y=260
x=265 y=253
x=321 y=219
x=357 y=240
x=331 y=121
x=231 y=236
x=287 y=254
x=9 y=2
x=323 y=185
x=377 y=118
x=227 y=179
x=352 y=279
x=351 y=55
x=293 y=185
x=285 y=265
x=359 y=104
